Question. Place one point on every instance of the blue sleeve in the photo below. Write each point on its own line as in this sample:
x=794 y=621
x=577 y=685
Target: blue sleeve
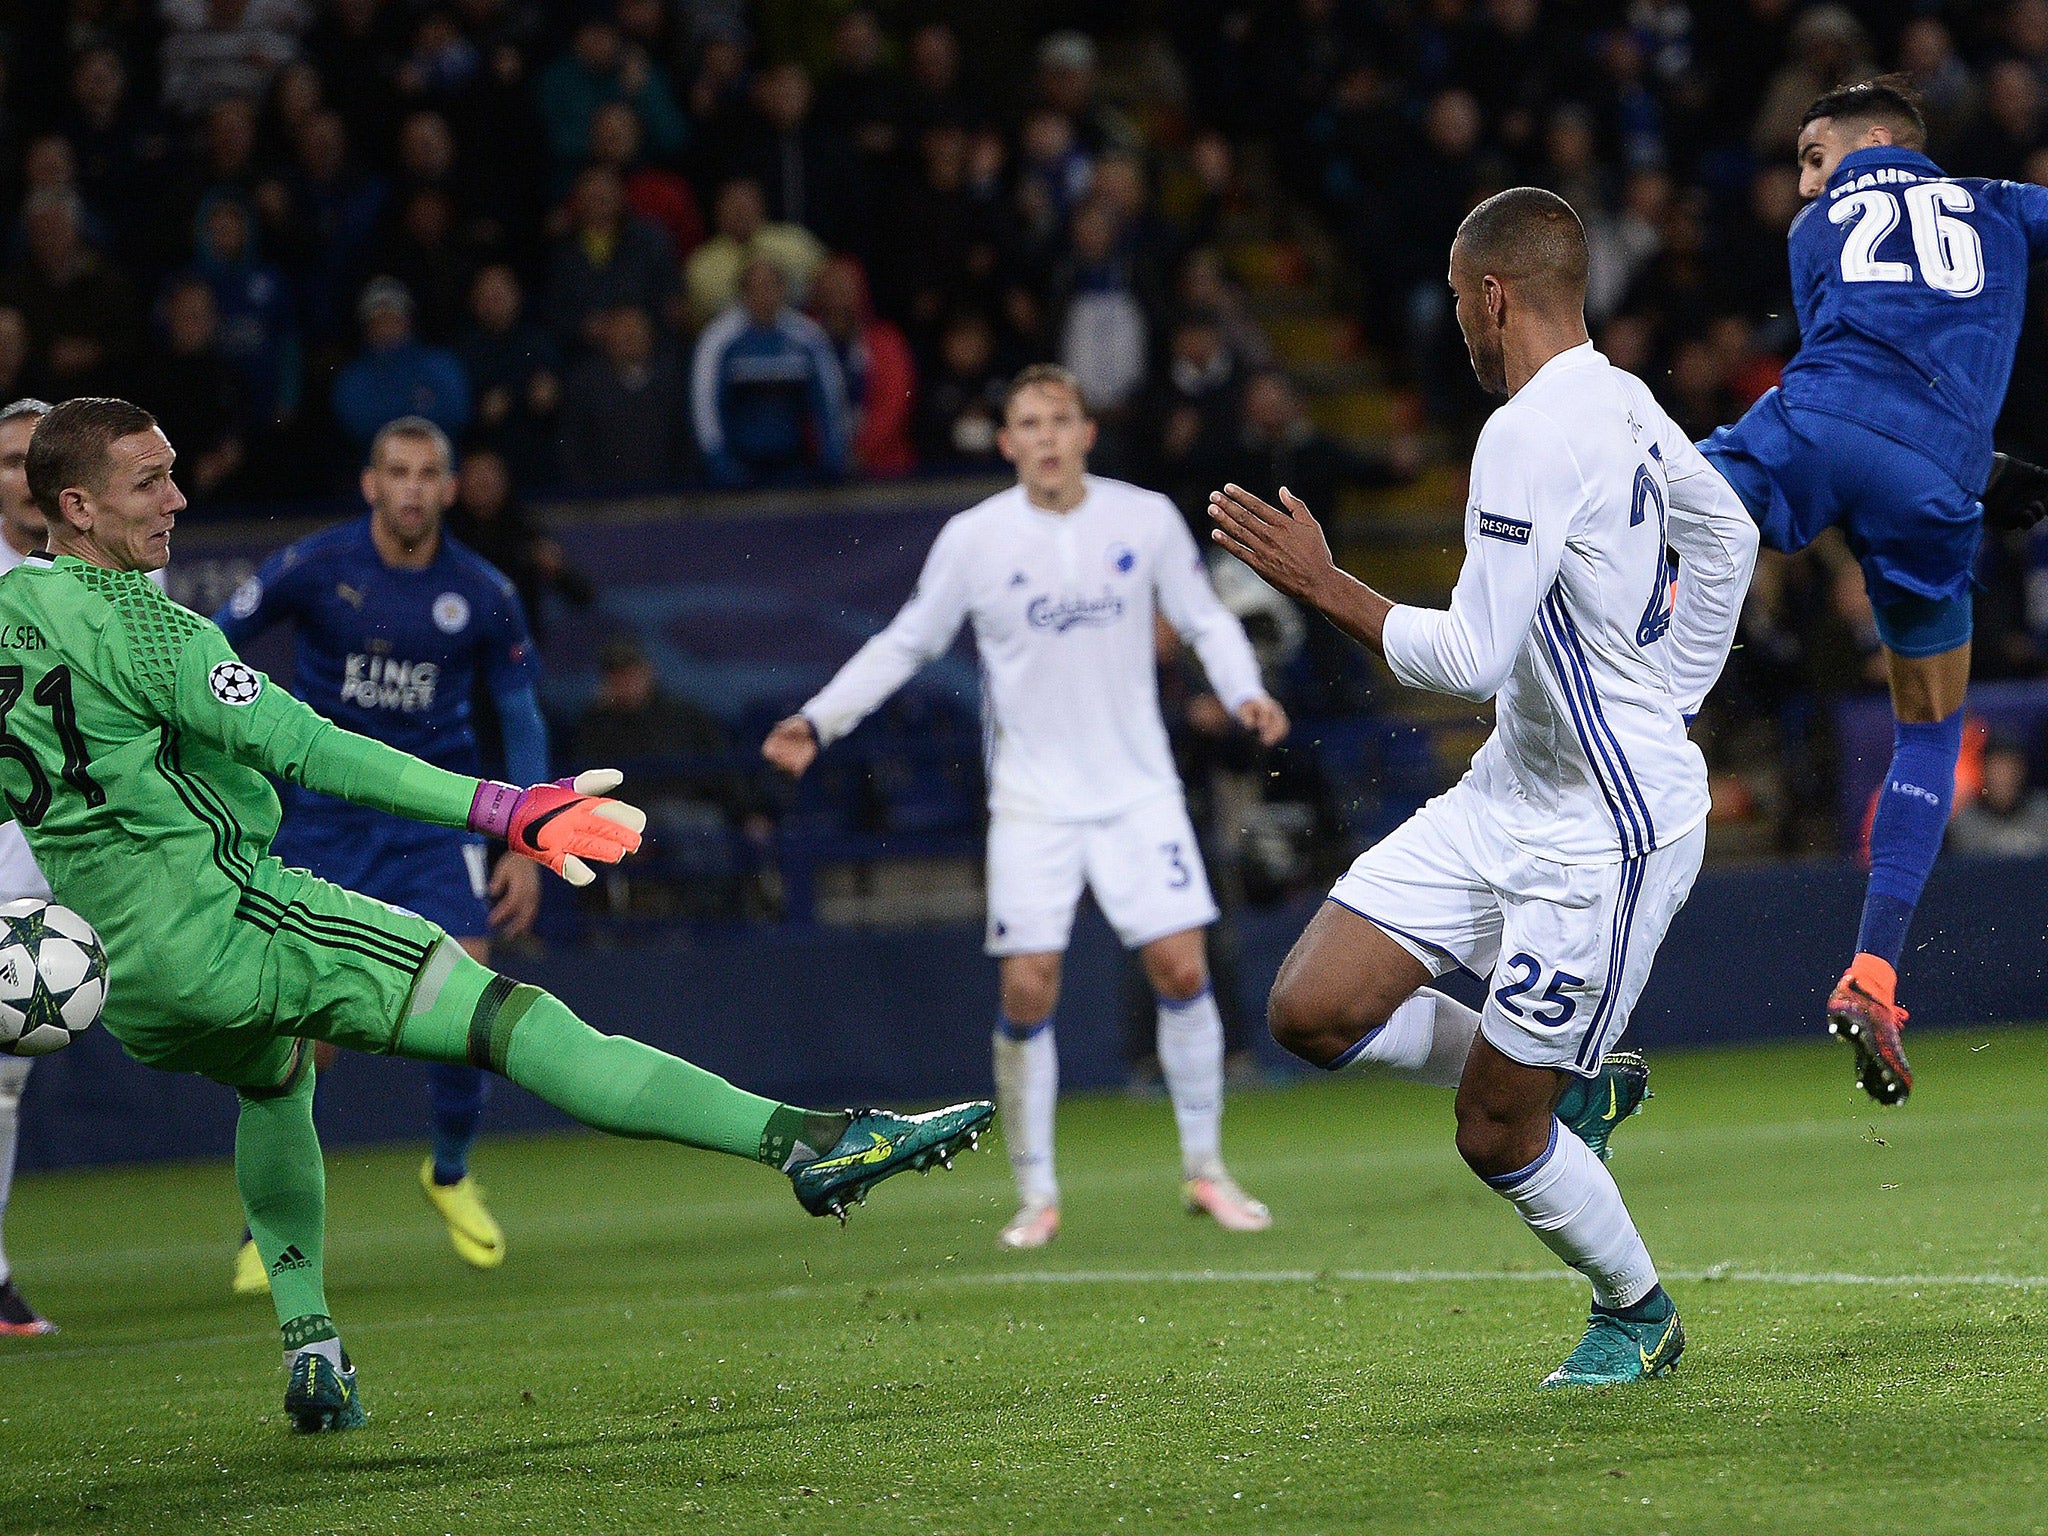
x=510 y=670
x=2027 y=205
x=828 y=401
x=269 y=597
x=525 y=734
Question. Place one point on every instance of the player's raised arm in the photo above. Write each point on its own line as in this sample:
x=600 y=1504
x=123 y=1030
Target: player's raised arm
x=921 y=631
x=269 y=597
x=1716 y=540
x=1524 y=494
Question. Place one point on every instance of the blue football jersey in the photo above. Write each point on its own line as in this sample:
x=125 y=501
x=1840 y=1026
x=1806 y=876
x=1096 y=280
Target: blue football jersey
x=1911 y=287
x=393 y=654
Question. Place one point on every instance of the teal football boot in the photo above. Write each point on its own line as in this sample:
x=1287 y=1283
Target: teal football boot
x=1593 y=1106
x=320 y=1398
x=878 y=1145
x=1616 y=1350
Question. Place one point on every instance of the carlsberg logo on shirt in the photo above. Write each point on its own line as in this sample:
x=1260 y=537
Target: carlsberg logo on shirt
x=1061 y=614
x=385 y=682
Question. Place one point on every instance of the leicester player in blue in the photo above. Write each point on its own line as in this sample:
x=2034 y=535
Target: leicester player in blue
x=1910 y=286
x=396 y=625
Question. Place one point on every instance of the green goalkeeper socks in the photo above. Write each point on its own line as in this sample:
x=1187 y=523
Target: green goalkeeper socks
x=463 y=1012
x=283 y=1184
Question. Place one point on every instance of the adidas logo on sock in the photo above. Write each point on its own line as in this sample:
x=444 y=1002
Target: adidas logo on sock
x=291 y=1258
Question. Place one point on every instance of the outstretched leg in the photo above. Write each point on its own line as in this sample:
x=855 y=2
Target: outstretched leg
x=1905 y=836
x=460 y=1011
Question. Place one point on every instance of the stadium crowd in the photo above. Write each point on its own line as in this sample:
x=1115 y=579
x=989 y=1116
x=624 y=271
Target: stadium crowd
x=634 y=244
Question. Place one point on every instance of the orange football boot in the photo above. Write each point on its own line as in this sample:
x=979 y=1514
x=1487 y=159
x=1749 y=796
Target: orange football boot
x=1862 y=1011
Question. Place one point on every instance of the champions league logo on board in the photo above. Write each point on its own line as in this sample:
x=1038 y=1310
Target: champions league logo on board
x=1063 y=614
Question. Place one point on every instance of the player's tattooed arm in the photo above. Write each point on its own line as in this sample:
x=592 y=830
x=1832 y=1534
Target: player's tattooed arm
x=1289 y=550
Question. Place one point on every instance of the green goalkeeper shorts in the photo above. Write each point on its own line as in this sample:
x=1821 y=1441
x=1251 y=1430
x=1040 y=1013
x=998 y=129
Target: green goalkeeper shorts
x=297 y=957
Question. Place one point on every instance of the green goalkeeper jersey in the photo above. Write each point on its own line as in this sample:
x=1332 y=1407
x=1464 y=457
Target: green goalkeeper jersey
x=134 y=746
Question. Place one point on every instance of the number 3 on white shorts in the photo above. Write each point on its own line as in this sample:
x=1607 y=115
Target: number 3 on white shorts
x=1182 y=876
x=1555 y=1010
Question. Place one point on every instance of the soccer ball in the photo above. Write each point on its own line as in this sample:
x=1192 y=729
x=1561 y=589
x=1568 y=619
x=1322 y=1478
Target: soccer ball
x=53 y=977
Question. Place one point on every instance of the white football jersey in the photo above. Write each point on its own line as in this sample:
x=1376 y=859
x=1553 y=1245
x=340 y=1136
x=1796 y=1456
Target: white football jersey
x=1566 y=612
x=19 y=875
x=1062 y=605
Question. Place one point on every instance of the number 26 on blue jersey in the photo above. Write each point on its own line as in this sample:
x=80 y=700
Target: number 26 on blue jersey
x=1950 y=254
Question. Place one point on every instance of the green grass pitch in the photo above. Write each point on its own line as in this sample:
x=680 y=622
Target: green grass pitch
x=673 y=1347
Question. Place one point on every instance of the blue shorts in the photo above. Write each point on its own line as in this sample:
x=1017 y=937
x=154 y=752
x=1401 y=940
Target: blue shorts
x=1912 y=527
x=437 y=872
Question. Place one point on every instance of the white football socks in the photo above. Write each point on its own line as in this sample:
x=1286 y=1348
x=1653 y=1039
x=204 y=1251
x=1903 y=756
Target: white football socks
x=13 y=1076
x=331 y=1348
x=1027 y=1088
x=1570 y=1200
x=1191 y=1061
x=1425 y=1040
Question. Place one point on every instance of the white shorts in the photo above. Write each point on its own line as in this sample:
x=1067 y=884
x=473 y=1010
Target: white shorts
x=1143 y=866
x=1566 y=947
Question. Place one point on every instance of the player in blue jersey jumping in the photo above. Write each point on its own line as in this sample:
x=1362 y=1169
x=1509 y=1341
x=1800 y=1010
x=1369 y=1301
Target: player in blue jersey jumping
x=1910 y=287
x=396 y=622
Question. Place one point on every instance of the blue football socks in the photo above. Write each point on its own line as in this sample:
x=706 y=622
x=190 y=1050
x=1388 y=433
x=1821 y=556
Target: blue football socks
x=1905 y=836
x=456 y=1097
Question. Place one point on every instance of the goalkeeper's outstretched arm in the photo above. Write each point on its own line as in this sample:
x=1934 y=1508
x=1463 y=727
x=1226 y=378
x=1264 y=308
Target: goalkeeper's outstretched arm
x=223 y=701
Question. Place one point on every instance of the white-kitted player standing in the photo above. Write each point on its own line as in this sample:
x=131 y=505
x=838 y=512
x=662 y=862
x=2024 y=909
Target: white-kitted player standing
x=1555 y=865
x=1061 y=576
x=22 y=531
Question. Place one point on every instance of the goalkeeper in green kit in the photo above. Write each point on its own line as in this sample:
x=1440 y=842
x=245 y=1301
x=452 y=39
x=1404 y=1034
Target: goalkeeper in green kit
x=133 y=749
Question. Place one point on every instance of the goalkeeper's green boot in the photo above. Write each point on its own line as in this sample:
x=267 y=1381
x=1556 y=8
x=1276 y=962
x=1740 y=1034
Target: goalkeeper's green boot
x=1593 y=1106
x=1616 y=1350
x=879 y=1144
x=320 y=1398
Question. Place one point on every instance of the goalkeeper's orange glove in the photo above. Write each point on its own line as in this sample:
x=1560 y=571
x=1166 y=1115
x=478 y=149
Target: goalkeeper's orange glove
x=563 y=823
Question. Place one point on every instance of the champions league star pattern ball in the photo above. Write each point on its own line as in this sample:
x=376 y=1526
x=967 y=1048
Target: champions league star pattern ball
x=53 y=977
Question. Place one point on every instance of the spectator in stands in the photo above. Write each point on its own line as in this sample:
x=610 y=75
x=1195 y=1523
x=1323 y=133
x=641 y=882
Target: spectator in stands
x=258 y=320
x=743 y=233
x=227 y=162
x=13 y=354
x=1279 y=444
x=623 y=410
x=514 y=375
x=861 y=101
x=1067 y=84
x=1191 y=415
x=1828 y=48
x=216 y=49
x=1204 y=286
x=806 y=173
x=610 y=257
x=960 y=407
x=881 y=379
x=662 y=196
x=1053 y=175
x=195 y=392
x=934 y=93
x=766 y=392
x=1949 y=97
x=632 y=718
x=395 y=375
x=117 y=145
x=2007 y=820
x=490 y=518
x=337 y=207
x=424 y=250
x=356 y=46
x=2010 y=126
x=602 y=66
x=939 y=244
x=1099 y=315
x=82 y=316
